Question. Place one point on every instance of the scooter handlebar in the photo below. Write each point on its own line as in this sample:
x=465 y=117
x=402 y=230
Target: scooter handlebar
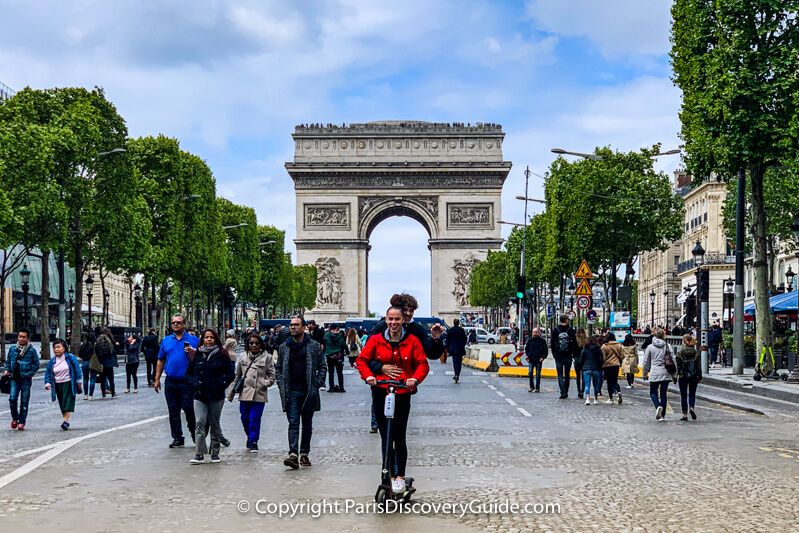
x=396 y=382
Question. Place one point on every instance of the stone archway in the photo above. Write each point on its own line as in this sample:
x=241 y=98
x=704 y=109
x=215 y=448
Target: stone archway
x=348 y=179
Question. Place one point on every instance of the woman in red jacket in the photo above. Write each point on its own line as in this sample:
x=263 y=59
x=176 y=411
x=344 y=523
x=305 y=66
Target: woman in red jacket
x=397 y=347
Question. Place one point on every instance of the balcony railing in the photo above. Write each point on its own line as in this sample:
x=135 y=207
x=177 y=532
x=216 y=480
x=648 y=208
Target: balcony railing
x=710 y=259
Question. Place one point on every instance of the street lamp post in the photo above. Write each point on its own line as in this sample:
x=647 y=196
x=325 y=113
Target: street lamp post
x=729 y=284
x=71 y=308
x=89 y=284
x=652 y=297
x=25 y=275
x=106 y=300
x=702 y=305
x=666 y=298
x=789 y=279
x=137 y=295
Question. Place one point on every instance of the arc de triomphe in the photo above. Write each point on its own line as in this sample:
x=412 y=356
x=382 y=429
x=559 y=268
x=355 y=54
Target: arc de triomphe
x=348 y=179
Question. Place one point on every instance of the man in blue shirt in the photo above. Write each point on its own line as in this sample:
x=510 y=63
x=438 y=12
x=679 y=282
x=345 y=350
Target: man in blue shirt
x=22 y=364
x=173 y=357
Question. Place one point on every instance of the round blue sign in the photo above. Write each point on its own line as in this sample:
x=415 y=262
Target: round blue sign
x=591 y=315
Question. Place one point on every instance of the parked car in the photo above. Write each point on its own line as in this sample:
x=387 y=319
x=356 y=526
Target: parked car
x=482 y=335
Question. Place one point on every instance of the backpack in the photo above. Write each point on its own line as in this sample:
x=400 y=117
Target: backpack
x=689 y=369
x=563 y=341
x=353 y=347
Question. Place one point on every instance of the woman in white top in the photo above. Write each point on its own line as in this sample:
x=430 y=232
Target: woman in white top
x=63 y=377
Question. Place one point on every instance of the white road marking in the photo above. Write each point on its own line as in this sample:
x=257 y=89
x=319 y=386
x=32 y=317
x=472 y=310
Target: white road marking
x=60 y=447
x=484 y=381
x=523 y=411
x=321 y=443
x=506 y=444
x=510 y=401
x=478 y=374
x=492 y=387
x=449 y=372
x=786 y=416
x=500 y=393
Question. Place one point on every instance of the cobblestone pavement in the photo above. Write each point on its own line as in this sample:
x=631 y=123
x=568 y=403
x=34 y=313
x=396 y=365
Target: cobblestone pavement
x=486 y=440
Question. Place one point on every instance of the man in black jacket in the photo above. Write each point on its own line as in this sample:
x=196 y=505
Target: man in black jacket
x=456 y=347
x=150 y=347
x=536 y=351
x=316 y=332
x=564 y=347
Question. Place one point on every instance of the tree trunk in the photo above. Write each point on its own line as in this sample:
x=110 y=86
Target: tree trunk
x=771 y=257
x=44 y=319
x=760 y=263
x=102 y=296
x=162 y=321
x=77 y=314
x=145 y=308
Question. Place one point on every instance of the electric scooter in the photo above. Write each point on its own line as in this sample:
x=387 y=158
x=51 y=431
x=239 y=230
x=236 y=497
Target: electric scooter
x=766 y=368
x=384 y=491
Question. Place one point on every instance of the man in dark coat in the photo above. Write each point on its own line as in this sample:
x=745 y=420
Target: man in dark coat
x=456 y=347
x=300 y=372
x=150 y=347
x=564 y=347
x=536 y=351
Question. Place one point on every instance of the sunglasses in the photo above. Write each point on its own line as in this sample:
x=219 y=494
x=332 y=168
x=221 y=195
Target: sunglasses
x=178 y=323
x=254 y=343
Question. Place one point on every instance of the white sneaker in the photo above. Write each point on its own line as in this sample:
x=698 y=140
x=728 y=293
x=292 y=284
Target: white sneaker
x=659 y=413
x=618 y=398
x=609 y=401
x=398 y=485
x=85 y=396
x=588 y=400
x=628 y=387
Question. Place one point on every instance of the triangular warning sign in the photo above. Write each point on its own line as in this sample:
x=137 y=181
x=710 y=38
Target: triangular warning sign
x=584 y=289
x=584 y=271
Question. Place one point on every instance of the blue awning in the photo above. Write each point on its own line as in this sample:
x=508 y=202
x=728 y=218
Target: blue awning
x=779 y=304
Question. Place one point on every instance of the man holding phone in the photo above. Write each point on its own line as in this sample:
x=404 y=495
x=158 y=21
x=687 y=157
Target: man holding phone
x=173 y=357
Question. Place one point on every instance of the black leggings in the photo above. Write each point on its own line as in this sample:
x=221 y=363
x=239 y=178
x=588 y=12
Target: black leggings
x=151 y=364
x=630 y=379
x=336 y=366
x=130 y=370
x=108 y=374
x=402 y=410
x=612 y=379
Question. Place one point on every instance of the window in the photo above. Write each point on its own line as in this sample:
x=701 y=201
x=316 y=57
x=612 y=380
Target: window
x=676 y=260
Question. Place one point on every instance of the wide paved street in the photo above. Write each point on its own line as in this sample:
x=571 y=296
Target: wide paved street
x=609 y=467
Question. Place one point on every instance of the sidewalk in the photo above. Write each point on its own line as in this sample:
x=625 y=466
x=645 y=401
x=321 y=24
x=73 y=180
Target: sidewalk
x=768 y=388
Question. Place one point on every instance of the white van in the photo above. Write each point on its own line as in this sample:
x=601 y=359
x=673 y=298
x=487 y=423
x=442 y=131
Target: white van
x=482 y=335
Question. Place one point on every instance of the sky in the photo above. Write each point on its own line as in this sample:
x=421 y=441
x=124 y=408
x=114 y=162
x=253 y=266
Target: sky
x=230 y=79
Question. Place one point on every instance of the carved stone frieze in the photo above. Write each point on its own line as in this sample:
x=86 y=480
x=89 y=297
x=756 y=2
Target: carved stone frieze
x=463 y=271
x=394 y=181
x=469 y=214
x=328 y=283
x=327 y=216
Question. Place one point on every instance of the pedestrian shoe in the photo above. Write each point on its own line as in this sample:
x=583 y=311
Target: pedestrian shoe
x=563 y=397
x=454 y=378
x=253 y=447
x=684 y=418
x=90 y=398
x=628 y=387
x=341 y=390
x=530 y=390
x=536 y=390
x=65 y=426
x=693 y=414
x=619 y=395
x=14 y=424
x=114 y=396
x=224 y=442
x=588 y=401
x=127 y=391
x=21 y=427
x=177 y=443
x=398 y=485
x=373 y=430
x=659 y=413
x=579 y=396
x=85 y=396
x=198 y=460
x=135 y=391
x=215 y=459
x=304 y=461
x=292 y=462
x=457 y=379
x=609 y=401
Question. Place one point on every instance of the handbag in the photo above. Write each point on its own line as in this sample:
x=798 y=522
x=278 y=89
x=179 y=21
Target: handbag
x=668 y=361
x=95 y=364
x=238 y=388
x=5 y=384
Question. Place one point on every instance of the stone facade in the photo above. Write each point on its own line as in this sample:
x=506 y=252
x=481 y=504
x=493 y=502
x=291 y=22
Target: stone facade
x=348 y=179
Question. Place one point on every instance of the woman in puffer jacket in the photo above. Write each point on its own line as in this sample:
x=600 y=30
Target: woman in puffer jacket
x=656 y=357
x=591 y=361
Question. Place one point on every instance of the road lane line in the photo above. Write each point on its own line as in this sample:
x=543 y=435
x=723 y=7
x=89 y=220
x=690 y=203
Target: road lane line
x=60 y=447
x=506 y=444
x=484 y=381
x=500 y=393
x=492 y=387
x=511 y=401
x=523 y=411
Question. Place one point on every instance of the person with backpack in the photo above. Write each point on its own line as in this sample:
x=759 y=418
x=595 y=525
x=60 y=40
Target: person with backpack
x=689 y=374
x=714 y=339
x=335 y=348
x=564 y=347
x=591 y=362
x=353 y=345
x=659 y=369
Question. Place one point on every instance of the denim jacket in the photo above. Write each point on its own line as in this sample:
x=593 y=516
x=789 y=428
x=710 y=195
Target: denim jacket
x=28 y=364
x=75 y=374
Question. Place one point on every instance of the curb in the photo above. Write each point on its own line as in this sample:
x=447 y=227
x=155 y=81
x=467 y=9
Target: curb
x=721 y=401
x=755 y=389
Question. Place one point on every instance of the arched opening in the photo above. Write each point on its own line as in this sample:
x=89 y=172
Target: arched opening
x=399 y=260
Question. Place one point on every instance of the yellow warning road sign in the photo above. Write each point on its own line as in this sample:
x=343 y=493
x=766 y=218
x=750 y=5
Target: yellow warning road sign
x=584 y=271
x=584 y=289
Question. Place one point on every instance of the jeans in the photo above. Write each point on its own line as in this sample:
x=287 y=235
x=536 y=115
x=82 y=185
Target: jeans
x=296 y=414
x=89 y=378
x=23 y=388
x=337 y=366
x=612 y=378
x=108 y=374
x=564 y=368
x=579 y=378
x=251 y=413
x=130 y=371
x=457 y=364
x=535 y=369
x=714 y=352
x=208 y=414
x=179 y=396
x=399 y=425
x=151 y=364
x=591 y=376
x=687 y=393
x=657 y=391
x=630 y=379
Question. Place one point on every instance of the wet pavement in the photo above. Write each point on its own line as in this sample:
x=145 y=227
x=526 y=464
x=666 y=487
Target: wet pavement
x=483 y=442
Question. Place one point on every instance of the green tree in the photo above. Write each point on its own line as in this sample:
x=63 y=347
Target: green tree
x=736 y=65
x=304 y=296
x=243 y=246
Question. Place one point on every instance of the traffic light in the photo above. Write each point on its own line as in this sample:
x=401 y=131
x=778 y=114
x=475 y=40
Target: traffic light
x=704 y=286
x=521 y=287
x=530 y=296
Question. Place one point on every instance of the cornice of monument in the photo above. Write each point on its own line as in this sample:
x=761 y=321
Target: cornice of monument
x=397 y=127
